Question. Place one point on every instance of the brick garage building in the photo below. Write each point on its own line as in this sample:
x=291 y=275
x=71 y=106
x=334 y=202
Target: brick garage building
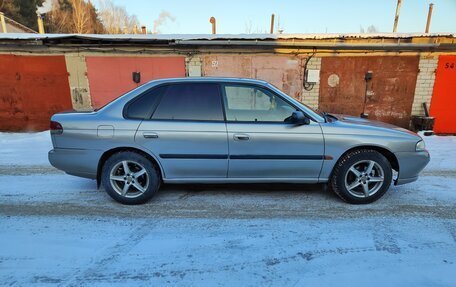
x=403 y=69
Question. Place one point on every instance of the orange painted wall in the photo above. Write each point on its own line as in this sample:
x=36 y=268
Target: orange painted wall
x=32 y=89
x=110 y=77
x=443 y=103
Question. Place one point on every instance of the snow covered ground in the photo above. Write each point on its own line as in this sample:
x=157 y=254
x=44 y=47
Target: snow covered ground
x=60 y=230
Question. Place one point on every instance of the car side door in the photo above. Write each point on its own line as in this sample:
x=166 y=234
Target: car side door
x=187 y=131
x=262 y=140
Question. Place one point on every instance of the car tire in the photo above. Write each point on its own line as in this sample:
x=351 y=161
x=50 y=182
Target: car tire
x=361 y=176
x=130 y=178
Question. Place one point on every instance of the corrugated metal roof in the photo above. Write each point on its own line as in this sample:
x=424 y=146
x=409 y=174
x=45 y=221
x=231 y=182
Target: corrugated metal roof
x=186 y=37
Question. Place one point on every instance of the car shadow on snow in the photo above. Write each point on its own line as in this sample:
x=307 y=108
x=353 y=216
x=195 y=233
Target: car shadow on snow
x=258 y=191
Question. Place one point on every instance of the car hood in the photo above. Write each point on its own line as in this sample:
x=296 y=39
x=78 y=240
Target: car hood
x=347 y=119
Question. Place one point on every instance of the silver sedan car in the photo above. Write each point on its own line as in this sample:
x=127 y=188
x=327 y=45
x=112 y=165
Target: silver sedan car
x=228 y=130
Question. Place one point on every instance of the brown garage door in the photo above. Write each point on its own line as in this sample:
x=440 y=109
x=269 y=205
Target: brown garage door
x=389 y=95
x=32 y=89
x=285 y=72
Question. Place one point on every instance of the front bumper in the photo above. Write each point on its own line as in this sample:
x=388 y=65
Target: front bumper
x=410 y=165
x=78 y=162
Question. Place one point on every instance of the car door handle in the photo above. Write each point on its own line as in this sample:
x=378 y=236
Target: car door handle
x=241 y=137
x=150 y=135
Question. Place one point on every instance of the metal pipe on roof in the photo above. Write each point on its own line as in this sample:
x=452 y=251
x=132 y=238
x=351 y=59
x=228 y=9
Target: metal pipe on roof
x=40 y=24
x=428 y=22
x=396 y=18
x=213 y=22
x=272 y=23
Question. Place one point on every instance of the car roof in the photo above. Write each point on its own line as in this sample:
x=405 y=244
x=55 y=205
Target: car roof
x=209 y=79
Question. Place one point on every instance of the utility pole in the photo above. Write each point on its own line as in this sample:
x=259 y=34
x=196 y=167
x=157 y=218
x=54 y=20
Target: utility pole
x=396 y=18
x=428 y=23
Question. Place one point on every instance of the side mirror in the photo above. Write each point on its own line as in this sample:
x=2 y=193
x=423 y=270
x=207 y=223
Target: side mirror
x=298 y=117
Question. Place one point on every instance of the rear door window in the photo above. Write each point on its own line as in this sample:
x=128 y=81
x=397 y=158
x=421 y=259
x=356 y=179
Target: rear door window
x=191 y=101
x=143 y=106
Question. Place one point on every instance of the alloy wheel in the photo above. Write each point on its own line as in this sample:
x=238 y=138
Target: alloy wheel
x=364 y=178
x=129 y=179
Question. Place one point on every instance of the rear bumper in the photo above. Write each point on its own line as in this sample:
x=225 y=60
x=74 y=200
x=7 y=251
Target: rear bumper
x=410 y=165
x=78 y=162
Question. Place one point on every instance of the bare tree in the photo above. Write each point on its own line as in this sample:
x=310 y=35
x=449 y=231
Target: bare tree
x=59 y=19
x=81 y=20
x=116 y=18
x=248 y=27
x=70 y=16
x=251 y=29
x=371 y=29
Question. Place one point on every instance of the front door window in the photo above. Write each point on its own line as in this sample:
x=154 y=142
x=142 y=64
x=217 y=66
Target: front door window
x=252 y=104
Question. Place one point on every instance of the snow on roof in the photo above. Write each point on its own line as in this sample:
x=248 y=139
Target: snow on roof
x=187 y=37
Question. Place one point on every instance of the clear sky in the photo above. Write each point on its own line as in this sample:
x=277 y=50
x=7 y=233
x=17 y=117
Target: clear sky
x=304 y=16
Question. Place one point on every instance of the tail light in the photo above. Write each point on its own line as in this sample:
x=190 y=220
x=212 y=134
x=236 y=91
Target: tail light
x=56 y=128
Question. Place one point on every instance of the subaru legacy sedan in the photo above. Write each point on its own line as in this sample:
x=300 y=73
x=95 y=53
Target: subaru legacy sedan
x=227 y=130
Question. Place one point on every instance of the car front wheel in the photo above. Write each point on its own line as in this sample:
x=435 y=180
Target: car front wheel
x=130 y=178
x=361 y=176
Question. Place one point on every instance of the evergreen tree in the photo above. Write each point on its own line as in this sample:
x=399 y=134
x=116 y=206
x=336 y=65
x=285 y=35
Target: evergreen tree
x=22 y=11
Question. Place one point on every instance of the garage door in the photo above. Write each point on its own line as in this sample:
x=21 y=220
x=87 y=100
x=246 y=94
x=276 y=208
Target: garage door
x=110 y=77
x=33 y=88
x=285 y=72
x=389 y=95
x=443 y=103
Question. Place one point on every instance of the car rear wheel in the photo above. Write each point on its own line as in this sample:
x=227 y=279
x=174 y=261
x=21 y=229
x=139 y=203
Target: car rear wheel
x=361 y=176
x=130 y=178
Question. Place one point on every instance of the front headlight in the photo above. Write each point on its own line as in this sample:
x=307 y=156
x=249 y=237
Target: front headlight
x=420 y=146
